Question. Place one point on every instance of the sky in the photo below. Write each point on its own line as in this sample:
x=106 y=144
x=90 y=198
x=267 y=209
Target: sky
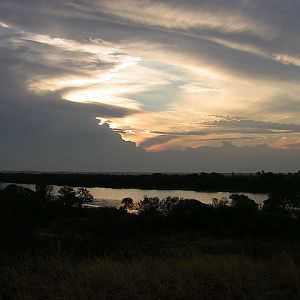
x=150 y=86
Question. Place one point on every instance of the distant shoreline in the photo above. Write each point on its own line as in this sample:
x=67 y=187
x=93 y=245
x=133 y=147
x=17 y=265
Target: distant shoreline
x=129 y=173
x=260 y=182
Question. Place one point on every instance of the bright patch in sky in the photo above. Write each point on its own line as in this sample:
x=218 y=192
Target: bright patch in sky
x=189 y=75
x=117 y=75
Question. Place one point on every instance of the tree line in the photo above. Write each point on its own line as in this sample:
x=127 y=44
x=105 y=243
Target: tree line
x=259 y=182
x=38 y=221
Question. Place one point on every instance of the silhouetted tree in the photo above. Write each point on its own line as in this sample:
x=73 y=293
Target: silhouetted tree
x=168 y=204
x=17 y=191
x=83 y=197
x=127 y=204
x=281 y=200
x=218 y=203
x=68 y=196
x=243 y=203
x=149 y=206
x=44 y=192
x=191 y=212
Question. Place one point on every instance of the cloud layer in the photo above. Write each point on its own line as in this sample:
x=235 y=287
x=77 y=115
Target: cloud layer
x=168 y=82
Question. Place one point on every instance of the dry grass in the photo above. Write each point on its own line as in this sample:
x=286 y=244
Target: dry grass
x=198 y=276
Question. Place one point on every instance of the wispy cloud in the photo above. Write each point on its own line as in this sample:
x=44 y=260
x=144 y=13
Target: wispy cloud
x=166 y=75
x=181 y=16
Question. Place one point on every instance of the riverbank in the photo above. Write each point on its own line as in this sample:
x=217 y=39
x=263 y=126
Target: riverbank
x=260 y=182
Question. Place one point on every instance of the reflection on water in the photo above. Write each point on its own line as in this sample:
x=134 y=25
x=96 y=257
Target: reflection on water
x=112 y=197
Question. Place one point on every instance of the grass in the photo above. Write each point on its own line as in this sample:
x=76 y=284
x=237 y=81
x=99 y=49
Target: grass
x=190 y=275
x=52 y=251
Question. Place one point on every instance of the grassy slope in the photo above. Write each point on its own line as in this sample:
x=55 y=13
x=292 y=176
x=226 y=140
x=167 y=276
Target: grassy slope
x=181 y=272
x=196 y=277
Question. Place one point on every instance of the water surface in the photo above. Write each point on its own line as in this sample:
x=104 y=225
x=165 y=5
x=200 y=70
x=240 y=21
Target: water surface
x=113 y=197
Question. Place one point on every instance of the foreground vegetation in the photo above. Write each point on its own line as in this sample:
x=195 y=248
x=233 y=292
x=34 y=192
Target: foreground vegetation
x=57 y=248
x=197 y=276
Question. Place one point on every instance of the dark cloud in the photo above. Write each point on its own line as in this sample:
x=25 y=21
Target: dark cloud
x=74 y=19
x=41 y=132
x=228 y=158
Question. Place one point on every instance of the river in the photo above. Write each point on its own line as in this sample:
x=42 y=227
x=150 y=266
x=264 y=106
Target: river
x=105 y=197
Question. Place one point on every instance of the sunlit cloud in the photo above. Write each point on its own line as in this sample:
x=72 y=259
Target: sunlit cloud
x=180 y=16
x=94 y=73
x=286 y=142
x=195 y=88
x=288 y=59
x=174 y=73
x=3 y=25
x=104 y=96
x=103 y=73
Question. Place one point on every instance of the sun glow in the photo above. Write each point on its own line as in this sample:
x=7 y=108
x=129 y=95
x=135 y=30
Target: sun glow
x=103 y=95
x=4 y=25
x=168 y=95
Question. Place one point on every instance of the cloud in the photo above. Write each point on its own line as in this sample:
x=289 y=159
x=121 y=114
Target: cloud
x=158 y=140
x=181 y=16
x=84 y=72
x=227 y=158
x=68 y=65
x=243 y=123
